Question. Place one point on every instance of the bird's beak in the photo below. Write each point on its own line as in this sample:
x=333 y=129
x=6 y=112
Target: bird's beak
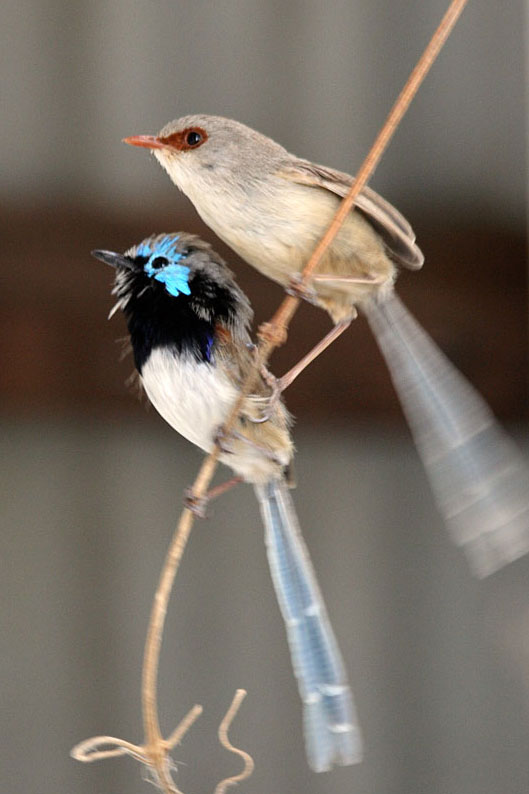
x=112 y=259
x=146 y=142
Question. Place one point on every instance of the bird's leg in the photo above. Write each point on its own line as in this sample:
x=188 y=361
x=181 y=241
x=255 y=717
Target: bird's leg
x=329 y=278
x=255 y=445
x=298 y=288
x=289 y=377
x=278 y=385
x=198 y=505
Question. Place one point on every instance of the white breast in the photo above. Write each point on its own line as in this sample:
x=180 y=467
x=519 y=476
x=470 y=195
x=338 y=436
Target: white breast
x=193 y=397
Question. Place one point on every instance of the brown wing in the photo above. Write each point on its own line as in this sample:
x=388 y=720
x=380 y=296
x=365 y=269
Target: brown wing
x=393 y=227
x=238 y=359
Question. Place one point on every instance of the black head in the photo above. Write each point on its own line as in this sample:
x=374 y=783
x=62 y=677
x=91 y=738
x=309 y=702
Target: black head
x=174 y=290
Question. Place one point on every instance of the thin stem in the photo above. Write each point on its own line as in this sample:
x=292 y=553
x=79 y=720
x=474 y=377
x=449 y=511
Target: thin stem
x=183 y=726
x=88 y=751
x=154 y=635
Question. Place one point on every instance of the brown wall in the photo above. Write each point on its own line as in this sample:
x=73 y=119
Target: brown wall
x=60 y=353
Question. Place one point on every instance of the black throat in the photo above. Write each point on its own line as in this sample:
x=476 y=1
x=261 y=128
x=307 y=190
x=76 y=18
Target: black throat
x=185 y=324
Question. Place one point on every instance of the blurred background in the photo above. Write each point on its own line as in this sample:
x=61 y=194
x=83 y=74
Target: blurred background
x=93 y=481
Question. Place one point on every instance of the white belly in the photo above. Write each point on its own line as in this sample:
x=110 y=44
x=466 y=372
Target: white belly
x=193 y=397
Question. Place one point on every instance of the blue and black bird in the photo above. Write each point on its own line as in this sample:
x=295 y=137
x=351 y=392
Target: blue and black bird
x=189 y=329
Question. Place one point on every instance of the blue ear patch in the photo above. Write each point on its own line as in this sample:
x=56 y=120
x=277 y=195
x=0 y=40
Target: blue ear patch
x=174 y=276
x=163 y=266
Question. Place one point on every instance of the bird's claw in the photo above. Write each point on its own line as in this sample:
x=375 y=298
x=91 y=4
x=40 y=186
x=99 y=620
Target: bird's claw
x=196 y=504
x=299 y=289
x=276 y=388
x=222 y=439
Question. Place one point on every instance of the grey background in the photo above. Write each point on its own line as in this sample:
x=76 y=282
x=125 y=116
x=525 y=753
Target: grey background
x=439 y=663
x=77 y=77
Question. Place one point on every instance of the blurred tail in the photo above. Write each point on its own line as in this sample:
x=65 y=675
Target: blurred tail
x=331 y=731
x=479 y=478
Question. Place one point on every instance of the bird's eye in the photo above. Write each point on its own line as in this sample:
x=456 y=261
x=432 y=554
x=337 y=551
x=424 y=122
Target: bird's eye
x=193 y=138
x=158 y=262
x=183 y=140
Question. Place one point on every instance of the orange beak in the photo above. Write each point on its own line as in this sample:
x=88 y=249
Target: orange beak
x=146 y=142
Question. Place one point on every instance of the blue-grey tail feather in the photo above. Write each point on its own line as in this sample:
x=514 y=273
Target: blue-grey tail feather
x=331 y=728
x=479 y=478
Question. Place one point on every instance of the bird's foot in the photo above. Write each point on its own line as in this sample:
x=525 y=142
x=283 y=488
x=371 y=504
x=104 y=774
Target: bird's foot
x=222 y=440
x=198 y=504
x=276 y=387
x=299 y=289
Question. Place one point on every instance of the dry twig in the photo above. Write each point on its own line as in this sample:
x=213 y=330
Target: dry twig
x=154 y=753
x=224 y=727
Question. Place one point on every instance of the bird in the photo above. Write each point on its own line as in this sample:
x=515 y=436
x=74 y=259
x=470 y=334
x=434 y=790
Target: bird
x=188 y=323
x=272 y=208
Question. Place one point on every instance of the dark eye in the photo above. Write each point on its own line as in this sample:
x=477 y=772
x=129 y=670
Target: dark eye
x=159 y=262
x=193 y=138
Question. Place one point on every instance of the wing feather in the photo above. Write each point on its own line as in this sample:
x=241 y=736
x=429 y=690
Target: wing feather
x=393 y=227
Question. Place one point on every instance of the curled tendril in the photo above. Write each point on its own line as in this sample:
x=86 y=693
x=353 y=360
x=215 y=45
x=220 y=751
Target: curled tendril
x=225 y=742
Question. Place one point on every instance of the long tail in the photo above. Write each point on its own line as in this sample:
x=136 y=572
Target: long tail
x=479 y=478
x=331 y=730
